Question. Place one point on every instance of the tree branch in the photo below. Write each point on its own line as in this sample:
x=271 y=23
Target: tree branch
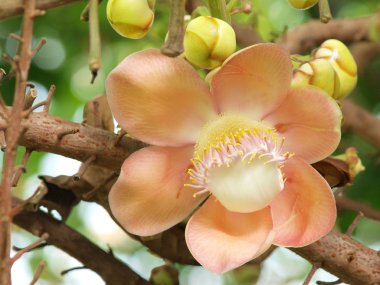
x=43 y=129
x=10 y=8
x=361 y=122
x=43 y=133
x=22 y=63
x=344 y=257
x=345 y=203
x=309 y=35
x=112 y=270
x=337 y=253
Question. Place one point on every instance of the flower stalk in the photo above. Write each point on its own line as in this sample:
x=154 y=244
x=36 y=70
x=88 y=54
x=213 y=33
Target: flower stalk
x=324 y=11
x=218 y=9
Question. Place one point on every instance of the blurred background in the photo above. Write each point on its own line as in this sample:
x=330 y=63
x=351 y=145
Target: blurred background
x=63 y=61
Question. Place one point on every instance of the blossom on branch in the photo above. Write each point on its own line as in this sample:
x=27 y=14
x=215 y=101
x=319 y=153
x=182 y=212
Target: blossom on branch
x=236 y=156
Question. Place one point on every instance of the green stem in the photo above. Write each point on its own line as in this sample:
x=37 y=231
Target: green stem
x=218 y=9
x=95 y=60
x=324 y=11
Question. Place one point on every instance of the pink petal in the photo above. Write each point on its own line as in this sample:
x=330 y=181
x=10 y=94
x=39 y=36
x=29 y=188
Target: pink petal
x=148 y=196
x=305 y=210
x=253 y=81
x=310 y=121
x=221 y=240
x=158 y=99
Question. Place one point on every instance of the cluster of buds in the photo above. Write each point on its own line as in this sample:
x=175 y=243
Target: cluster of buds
x=332 y=68
x=208 y=41
x=131 y=18
x=302 y=4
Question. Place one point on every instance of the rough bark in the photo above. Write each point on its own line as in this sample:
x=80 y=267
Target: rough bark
x=112 y=270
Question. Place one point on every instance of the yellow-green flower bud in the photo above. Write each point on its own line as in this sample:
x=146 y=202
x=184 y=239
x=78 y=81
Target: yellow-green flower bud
x=318 y=72
x=208 y=42
x=343 y=63
x=130 y=18
x=352 y=158
x=302 y=4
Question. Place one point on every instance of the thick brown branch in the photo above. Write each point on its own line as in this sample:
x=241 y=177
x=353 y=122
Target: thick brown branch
x=337 y=253
x=43 y=130
x=361 y=122
x=112 y=270
x=344 y=257
x=10 y=8
x=309 y=35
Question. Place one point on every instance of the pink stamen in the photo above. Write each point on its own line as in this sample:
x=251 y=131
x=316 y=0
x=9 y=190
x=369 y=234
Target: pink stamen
x=244 y=144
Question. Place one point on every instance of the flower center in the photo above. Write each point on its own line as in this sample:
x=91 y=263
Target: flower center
x=241 y=167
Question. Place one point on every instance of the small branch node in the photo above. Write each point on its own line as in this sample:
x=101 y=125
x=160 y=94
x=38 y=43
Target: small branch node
x=21 y=168
x=3 y=143
x=38 y=13
x=83 y=168
x=45 y=103
x=119 y=138
x=32 y=202
x=66 y=132
x=29 y=98
x=97 y=116
x=39 y=46
x=48 y=98
x=16 y=37
x=38 y=272
x=354 y=223
x=33 y=245
x=42 y=245
x=73 y=269
x=314 y=269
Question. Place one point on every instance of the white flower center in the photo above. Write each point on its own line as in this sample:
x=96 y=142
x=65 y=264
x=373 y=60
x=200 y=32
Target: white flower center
x=241 y=169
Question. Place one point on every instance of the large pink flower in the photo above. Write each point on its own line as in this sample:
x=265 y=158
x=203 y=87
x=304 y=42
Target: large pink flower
x=243 y=149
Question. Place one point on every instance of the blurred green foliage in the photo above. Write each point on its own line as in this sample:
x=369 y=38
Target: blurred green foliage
x=63 y=61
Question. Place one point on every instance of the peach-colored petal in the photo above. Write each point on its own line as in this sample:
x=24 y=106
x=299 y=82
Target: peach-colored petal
x=221 y=240
x=158 y=99
x=305 y=210
x=310 y=121
x=253 y=81
x=148 y=196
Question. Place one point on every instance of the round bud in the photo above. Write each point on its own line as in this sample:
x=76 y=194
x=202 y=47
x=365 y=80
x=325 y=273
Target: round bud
x=319 y=73
x=208 y=42
x=343 y=62
x=130 y=18
x=302 y=4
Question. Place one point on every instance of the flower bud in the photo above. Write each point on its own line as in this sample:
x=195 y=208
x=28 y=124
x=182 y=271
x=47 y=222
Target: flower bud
x=352 y=158
x=319 y=73
x=130 y=18
x=343 y=63
x=208 y=42
x=302 y=4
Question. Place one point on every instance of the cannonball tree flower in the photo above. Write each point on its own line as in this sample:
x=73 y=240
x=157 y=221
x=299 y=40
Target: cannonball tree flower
x=237 y=155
